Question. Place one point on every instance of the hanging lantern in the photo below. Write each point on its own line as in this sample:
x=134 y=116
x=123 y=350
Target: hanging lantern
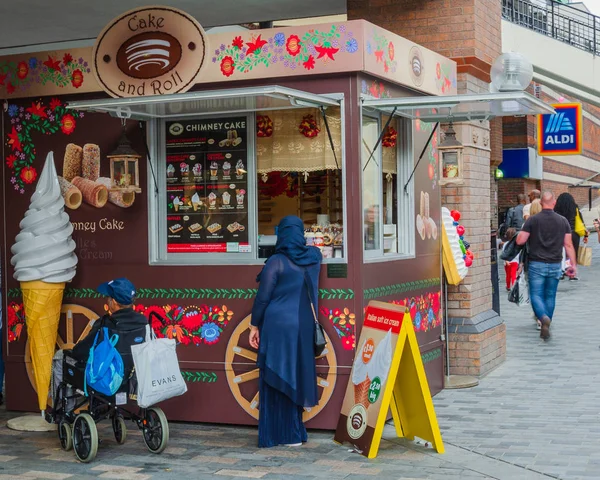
x=451 y=161
x=124 y=167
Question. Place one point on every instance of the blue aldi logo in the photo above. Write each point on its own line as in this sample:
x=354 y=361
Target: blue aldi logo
x=561 y=133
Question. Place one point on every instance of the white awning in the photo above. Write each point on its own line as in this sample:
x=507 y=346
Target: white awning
x=208 y=102
x=460 y=108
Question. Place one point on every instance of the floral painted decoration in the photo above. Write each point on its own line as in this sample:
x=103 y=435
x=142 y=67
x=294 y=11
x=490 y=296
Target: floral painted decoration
x=390 y=138
x=57 y=71
x=24 y=121
x=264 y=126
x=424 y=311
x=195 y=325
x=294 y=51
x=383 y=50
x=308 y=127
x=445 y=78
x=344 y=323
x=16 y=321
x=376 y=89
x=274 y=184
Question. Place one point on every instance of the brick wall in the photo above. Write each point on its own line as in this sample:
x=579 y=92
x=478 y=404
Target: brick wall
x=477 y=354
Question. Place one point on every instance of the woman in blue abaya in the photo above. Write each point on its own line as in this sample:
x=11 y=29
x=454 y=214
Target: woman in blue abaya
x=283 y=329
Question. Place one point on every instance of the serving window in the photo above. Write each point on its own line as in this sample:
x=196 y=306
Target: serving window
x=386 y=154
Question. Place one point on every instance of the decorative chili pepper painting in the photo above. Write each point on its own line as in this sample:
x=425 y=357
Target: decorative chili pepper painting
x=16 y=321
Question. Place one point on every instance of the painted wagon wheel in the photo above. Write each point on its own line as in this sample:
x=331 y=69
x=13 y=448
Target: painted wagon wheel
x=69 y=342
x=325 y=382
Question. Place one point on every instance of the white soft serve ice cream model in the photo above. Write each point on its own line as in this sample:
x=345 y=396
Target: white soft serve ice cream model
x=378 y=366
x=44 y=260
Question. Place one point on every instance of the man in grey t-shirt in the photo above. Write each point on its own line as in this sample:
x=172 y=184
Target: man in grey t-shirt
x=546 y=233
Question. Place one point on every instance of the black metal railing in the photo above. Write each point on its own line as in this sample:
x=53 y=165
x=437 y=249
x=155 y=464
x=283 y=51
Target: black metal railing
x=557 y=20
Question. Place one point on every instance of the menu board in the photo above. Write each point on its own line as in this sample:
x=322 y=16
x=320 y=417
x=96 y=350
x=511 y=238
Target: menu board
x=207 y=185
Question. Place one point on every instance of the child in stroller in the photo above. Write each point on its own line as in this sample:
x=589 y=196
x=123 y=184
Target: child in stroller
x=77 y=427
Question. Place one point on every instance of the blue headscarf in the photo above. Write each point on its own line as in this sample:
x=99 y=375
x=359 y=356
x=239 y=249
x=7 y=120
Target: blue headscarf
x=292 y=243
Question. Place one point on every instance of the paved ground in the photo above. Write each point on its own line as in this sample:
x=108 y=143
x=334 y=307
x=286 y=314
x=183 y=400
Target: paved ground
x=536 y=417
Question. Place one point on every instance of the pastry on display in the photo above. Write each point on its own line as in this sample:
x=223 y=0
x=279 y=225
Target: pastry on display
x=70 y=193
x=176 y=228
x=120 y=198
x=214 y=228
x=453 y=258
x=44 y=260
x=195 y=227
x=90 y=167
x=94 y=194
x=72 y=162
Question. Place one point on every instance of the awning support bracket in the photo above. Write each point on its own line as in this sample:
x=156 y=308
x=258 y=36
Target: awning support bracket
x=380 y=139
x=322 y=110
x=421 y=156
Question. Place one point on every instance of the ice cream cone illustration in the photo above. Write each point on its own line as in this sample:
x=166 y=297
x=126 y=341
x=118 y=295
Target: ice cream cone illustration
x=44 y=260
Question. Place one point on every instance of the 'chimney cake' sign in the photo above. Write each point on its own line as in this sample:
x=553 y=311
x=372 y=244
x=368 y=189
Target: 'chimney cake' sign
x=149 y=51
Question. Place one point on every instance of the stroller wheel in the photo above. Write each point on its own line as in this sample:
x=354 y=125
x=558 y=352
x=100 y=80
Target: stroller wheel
x=155 y=430
x=65 y=436
x=85 y=438
x=119 y=429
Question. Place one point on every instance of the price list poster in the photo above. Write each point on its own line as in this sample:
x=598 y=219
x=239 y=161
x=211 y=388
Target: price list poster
x=207 y=186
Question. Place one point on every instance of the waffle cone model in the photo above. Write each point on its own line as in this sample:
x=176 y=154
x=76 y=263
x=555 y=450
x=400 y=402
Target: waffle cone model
x=42 y=302
x=361 y=393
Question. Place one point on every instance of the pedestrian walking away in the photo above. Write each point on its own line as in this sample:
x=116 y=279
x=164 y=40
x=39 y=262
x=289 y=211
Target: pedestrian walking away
x=283 y=331
x=534 y=194
x=511 y=266
x=546 y=234
x=566 y=206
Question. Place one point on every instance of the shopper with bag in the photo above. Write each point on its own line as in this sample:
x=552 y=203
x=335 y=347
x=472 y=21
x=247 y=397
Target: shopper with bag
x=567 y=207
x=511 y=266
x=283 y=330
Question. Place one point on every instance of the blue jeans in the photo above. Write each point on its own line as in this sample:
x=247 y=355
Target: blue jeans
x=543 y=283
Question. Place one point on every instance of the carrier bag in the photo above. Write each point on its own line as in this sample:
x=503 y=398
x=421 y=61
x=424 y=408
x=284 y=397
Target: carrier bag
x=104 y=370
x=157 y=370
x=584 y=256
x=523 y=291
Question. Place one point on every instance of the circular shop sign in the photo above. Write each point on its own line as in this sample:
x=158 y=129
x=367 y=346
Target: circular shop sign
x=149 y=51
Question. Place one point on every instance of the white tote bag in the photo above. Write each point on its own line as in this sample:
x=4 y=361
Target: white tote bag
x=523 y=291
x=157 y=370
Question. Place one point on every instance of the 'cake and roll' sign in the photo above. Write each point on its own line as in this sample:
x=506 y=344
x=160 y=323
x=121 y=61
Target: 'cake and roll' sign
x=149 y=51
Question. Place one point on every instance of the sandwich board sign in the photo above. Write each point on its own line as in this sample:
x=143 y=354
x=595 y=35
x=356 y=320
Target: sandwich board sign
x=560 y=133
x=387 y=374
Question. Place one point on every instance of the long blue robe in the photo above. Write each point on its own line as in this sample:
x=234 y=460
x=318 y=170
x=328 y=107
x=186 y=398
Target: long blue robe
x=283 y=314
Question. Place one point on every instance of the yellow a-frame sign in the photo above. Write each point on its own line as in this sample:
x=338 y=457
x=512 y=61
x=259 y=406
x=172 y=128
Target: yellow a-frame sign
x=387 y=374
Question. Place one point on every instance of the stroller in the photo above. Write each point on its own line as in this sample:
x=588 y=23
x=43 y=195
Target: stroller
x=77 y=427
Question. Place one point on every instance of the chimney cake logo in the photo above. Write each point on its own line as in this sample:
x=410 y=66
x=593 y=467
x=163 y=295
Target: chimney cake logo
x=149 y=51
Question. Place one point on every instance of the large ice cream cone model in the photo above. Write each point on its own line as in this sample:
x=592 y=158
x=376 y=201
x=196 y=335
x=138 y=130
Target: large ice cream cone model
x=44 y=259
x=42 y=302
x=453 y=257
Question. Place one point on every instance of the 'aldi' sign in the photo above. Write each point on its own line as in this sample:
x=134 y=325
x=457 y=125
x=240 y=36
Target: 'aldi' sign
x=561 y=133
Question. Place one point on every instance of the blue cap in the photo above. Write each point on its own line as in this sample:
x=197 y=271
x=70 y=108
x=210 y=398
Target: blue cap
x=120 y=289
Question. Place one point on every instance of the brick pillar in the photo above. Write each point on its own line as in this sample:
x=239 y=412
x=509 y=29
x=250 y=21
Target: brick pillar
x=467 y=31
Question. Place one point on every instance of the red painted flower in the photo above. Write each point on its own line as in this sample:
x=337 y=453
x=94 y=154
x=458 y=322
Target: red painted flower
x=347 y=343
x=255 y=45
x=10 y=161
x=185 y=340
x=197 y=340
x=310 y=63
x=3 y=78
x=52 y=64
x=28 y=174
x=10 y=88
x=438 y=71
x=293 y=45
x=11 y=336
x=386 y=68
x=379 y=55
x=67 y=124
x=37 y=109
x=77 y=78
x=227 y=66
x=327 y=51
x=13 y=139
x=238 y=43
x=22 y=70
x=54 y=103
x=68 y=58
x=391 y=51
x=431 y=171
